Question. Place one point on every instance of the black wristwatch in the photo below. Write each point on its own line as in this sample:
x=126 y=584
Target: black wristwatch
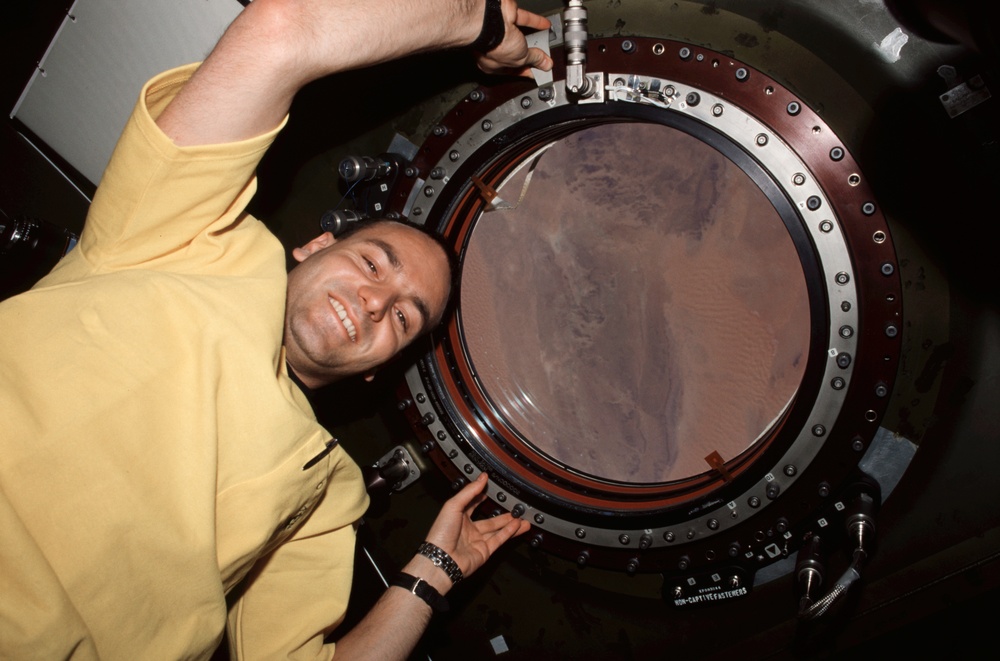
x=422 y=589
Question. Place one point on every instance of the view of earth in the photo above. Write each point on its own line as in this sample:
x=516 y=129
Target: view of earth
x=640 y=308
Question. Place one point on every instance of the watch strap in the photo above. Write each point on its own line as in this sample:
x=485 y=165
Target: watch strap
x=422 y=589
x=493 y=30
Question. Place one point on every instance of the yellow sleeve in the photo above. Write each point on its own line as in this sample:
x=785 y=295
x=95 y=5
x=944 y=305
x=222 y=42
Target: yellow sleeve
x=156 y=198
x=298 y=594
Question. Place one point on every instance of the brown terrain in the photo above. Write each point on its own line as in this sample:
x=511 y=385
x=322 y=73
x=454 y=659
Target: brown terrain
x=640 y=308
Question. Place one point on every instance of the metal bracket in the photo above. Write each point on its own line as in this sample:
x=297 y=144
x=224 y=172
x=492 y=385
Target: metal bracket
x=398 y=468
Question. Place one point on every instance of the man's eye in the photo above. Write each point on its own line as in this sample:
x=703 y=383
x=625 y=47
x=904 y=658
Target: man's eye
x=371 y=266
x=401 y=317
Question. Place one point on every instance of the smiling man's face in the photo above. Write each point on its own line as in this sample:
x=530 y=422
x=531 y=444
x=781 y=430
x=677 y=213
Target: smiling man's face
x=355 y=303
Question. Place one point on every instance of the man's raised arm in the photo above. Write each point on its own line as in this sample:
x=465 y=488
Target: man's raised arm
x=275 y=47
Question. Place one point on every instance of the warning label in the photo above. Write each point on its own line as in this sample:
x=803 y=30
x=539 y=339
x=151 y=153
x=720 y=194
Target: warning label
x=710 y=596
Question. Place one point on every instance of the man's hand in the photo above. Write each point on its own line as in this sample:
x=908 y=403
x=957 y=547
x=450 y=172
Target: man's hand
x=393 y=627
x=512 y=55
x=471 y=543
x=274 y=47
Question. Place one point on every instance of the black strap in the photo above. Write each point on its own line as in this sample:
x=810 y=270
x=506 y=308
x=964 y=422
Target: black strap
x=421 y=588
x=493 y=30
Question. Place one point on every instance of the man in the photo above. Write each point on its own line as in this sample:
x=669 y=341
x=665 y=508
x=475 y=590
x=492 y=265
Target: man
x=161 y=476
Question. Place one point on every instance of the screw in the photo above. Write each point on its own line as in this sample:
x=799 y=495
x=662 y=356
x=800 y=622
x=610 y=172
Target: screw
x=887 y=269
x=857 y=444
x=580 y=533
x=761 y=140
x=881 y=390
x=814 y=202
x=819 y=430
x=539 y=518
x=836 y=154
x=891 y=330
x=645 y=542
x=826 y=227
x=502 y=497
x=693 y=99
x=823 y=490
x=684 y=53
x=837 y=383
x=684 y=563
x=868 y=208
x=476 y=95
x=742 y=75
x=437 y=173
x=454 y=155
x=772 y=491
x=441 y=435
x=713 y=524
x=790 y=470
x=793 y=108
x=846 y=332
x=669 y=536
x=439 y=130
x=843 y=360
x=525 y=102
x=628 y=46
x=632 y=566
x=842 y=278
x=486 y=125
x=623 y=539
x=410 y=171
x=753 y=502
x=518 y=511
x=545 y=93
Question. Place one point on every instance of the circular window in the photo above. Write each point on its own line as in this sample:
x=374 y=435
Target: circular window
x=620 y=311
x=658 y=354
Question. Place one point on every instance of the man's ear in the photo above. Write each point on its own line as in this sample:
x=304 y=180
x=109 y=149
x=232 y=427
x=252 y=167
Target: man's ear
x=370 y=376
x=324 y=240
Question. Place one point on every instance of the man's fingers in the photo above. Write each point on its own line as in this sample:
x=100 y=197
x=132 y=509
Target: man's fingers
x=463 y=498
x=513 y=528
x=538 y=59
x=527 y=19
